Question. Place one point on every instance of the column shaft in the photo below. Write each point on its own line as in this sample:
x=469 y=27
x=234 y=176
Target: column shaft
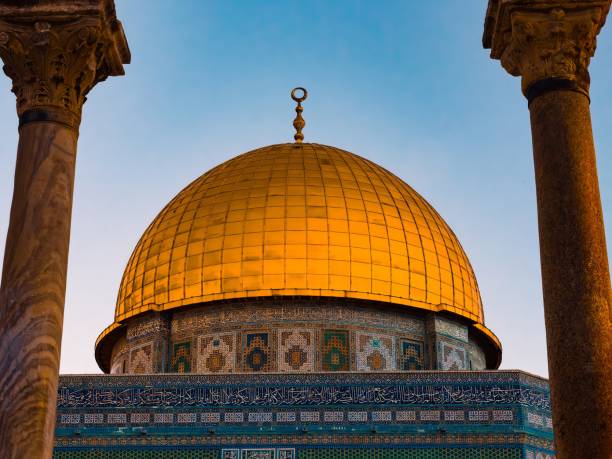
x=33 y=288
x=575 y=274
x=54 y=52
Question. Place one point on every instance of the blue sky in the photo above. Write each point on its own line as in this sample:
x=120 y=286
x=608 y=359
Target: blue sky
x=405 y=84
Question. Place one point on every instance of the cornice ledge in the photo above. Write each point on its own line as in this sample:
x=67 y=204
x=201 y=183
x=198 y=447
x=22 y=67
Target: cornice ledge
x=25 y=8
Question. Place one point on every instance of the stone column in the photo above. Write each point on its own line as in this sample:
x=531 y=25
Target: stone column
x=54 y=51
x=549 y=43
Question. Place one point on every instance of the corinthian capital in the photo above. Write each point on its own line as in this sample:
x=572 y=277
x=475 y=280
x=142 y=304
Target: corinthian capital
x=545 y=39
x=55 y=52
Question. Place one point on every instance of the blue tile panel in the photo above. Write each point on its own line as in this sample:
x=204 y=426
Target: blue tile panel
x=500 y=410
x=181 y=357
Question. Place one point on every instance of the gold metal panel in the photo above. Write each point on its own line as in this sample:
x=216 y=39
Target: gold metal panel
x=274 y=224
x=232 y=255
x=380 y=272
x=361 y=284
x=317 y=238
x=361 y=254
x=231 y=284
x=252 y=253
x=380 y=258
x=193 y=290
x=251 y=282
x=317 y=281
x=273 y=280
x=296 y=237
x=274 y=267
x=149 y=276
x=162 y=271
x=193 y=276
x=296 y=266
x=294 y=251
x=300 y=219
x=319 y=252
x=252 y=268
x=319 y=267
x=293 y=281
x=316 y=224
x=212 y=258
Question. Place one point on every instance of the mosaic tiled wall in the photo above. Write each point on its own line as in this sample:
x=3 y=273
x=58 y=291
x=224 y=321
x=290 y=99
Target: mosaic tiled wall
x=452 y=357
x=297 y=337
x=506 y=414
x=339 y=452
x=120 y=357
x=477 y=357
x=144 y=347
x=500 y=452
x=451 y=329
x=141 y=359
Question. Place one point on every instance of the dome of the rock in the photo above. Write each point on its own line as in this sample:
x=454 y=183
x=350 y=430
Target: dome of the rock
x=299 y=221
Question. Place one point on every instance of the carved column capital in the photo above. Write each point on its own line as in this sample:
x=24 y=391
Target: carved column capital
x=55 y=52
x=545 y=41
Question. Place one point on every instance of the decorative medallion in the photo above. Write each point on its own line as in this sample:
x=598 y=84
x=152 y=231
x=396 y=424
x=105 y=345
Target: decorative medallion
x=375 y=352
x=296 y=350
x=335 y=350
x=410 y=355
x=216 y=353
x=181 y=358
x=141 y=359
x=257 y=352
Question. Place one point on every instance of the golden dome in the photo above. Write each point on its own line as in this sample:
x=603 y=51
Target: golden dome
x=299 y=219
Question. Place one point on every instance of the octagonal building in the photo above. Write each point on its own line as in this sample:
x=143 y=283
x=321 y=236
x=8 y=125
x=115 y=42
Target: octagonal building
x=300 y=302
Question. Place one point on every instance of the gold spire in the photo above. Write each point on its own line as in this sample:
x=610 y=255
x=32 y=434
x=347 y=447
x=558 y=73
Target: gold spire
x=298 y=122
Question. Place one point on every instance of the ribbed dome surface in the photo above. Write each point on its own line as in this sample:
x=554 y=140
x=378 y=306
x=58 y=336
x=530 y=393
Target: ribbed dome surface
x=299 y=219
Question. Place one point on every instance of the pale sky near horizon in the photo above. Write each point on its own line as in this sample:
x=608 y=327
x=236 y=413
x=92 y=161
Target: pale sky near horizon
x=405 y=84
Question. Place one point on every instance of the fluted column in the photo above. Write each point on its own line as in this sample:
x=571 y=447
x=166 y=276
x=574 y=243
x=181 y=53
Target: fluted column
x=549 y=43
x=54 y=52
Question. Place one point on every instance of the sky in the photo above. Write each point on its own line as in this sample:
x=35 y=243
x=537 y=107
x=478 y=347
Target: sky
x=406 y=84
